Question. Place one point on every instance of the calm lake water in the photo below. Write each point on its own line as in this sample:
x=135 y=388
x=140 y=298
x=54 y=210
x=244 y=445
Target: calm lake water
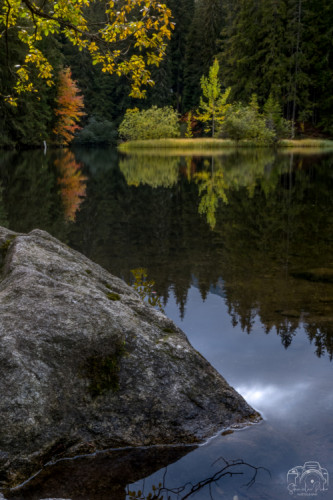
x=240 y=247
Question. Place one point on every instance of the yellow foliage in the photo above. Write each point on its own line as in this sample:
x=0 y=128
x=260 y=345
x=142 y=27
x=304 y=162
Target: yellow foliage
x=213 y=103
x=31 y=22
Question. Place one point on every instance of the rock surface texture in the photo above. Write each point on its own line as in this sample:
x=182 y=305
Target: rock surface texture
x=86 y=365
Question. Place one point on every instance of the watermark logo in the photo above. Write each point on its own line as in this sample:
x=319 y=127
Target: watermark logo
x=307 y=480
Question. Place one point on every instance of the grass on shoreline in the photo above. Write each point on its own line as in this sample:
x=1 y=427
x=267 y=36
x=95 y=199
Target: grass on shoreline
x=305 y=143
x=211 y=144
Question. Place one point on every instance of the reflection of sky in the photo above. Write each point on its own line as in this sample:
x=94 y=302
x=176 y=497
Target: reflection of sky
x=273 y=379
x=292 y=388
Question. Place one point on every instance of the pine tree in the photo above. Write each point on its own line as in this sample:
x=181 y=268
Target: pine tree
x=202 y=46
x=182 y=12
x=317 y=46
x=269 y=46
x=241 y=56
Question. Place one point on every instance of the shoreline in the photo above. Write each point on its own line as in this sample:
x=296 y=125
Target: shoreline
x=208 y=144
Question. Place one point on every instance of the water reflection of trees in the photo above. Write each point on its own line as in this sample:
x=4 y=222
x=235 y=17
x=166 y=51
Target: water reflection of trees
x=72 y=183
x=272 y=242
x=278 y=222
x=30 y=196
x=214 y=176
x=151 y=170
x=220 y=174
x=40 y=190
x=212 y=188
x=284 y=234
x=208 y=484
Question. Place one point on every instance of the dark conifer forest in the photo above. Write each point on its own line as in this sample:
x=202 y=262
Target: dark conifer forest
x=279 y=48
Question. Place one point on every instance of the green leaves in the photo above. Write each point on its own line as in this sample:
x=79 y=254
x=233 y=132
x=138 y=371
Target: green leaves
x=246 y=123
x=153 y=123
x=213 y=103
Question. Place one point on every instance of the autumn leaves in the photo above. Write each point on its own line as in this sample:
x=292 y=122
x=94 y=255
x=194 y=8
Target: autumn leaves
x=133 y=38
x=69 y=108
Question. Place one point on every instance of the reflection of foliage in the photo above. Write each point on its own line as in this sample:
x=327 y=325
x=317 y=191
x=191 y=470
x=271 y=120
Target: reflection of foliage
x=151 y=170
x=31 y=195
x=248 y=168
x=145 y=287
x=321 y=335
x=230 y=172
x=72 y=182
x=276 y=226
x=278 y=221
x=212 y=189
x=231 y=468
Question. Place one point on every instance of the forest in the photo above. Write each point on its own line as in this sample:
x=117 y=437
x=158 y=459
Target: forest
x=279 y=51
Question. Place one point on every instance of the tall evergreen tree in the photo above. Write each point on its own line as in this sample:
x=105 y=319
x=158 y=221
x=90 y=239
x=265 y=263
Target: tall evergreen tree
x=318 y=47
x=281 y=48
x=182 y=11
x=202 y=46
x=241 y=56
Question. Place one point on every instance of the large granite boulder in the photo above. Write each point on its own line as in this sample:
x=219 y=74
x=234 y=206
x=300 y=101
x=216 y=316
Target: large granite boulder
x=86 y=365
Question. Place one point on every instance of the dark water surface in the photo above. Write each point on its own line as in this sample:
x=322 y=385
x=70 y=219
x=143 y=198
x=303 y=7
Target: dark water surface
x=240 y=247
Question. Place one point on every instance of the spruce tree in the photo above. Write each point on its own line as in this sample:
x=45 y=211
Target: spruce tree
x=317 y=46
x=202 y=46
x=284 y=48
x=182 y=12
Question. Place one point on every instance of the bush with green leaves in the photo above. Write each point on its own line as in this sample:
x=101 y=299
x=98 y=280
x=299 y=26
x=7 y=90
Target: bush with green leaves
x=152 y=123
x=246 y=123
x=96 y=132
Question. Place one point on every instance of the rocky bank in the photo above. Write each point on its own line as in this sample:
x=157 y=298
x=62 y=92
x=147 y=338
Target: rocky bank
x=86 y=365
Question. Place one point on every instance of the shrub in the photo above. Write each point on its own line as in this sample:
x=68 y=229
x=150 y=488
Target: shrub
x=274 y=119
x=153 y=123
x=245 y=122
x=96 y=132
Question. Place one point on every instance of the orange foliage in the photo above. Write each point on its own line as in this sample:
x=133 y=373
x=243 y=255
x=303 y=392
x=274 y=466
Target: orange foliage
x=72 y=183
x=70 y=107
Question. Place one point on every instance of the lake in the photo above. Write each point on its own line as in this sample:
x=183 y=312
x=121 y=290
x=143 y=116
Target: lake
x=238 y=249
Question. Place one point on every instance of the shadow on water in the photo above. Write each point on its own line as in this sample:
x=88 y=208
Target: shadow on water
x=108 y=476
x=103 y=476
